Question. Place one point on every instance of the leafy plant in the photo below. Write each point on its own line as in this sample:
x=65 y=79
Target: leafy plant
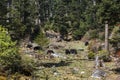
x=77 y=35
x=94 y=34
x=91 y=55
x=115 y=37
x=104 y=55
x=41 y=39
x=9 y=57
x=27 y=65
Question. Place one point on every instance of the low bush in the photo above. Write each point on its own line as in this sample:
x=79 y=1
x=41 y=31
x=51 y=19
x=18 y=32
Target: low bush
x=27 y=65
x=104 y=55
x=91 y=55
x=9 y=56
x=41 y=39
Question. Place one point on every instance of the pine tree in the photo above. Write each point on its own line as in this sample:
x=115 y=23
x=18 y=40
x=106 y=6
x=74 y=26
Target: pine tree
x=3 y=12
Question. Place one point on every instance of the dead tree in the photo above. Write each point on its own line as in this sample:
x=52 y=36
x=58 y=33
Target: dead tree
x=106 y=37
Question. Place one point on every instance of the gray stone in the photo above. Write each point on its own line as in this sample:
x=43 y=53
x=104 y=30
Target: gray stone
x=98 y=74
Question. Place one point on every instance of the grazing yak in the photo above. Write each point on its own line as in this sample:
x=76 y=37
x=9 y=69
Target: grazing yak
x=67 y=51
x=71 y=51
x=34 y=46
x=50 y=51
x=86 y=43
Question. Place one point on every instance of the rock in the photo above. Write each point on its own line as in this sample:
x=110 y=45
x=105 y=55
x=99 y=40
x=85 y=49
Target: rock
x=56 y=73
x=82 y=72
x=98 y=74
x=55 y=55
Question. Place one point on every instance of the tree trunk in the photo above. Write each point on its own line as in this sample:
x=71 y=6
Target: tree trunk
x=106 y=37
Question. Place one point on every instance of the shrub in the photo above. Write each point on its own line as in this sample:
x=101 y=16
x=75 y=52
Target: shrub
x=102 y=36
x=77 y=35
x=91 y=55
x=104 y=55
x=9 y=57
x=115 y=36
x=94 y=34
x=41 y=39
x=27 y=65
x=106 y=58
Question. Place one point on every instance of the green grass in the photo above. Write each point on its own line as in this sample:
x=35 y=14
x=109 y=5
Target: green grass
x=72 y=67
x=77 y=65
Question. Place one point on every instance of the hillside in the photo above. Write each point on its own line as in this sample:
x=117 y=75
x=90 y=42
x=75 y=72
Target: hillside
x=59 y=39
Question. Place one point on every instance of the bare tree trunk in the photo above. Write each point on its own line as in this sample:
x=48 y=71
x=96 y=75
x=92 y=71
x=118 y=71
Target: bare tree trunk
x=106 y=37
